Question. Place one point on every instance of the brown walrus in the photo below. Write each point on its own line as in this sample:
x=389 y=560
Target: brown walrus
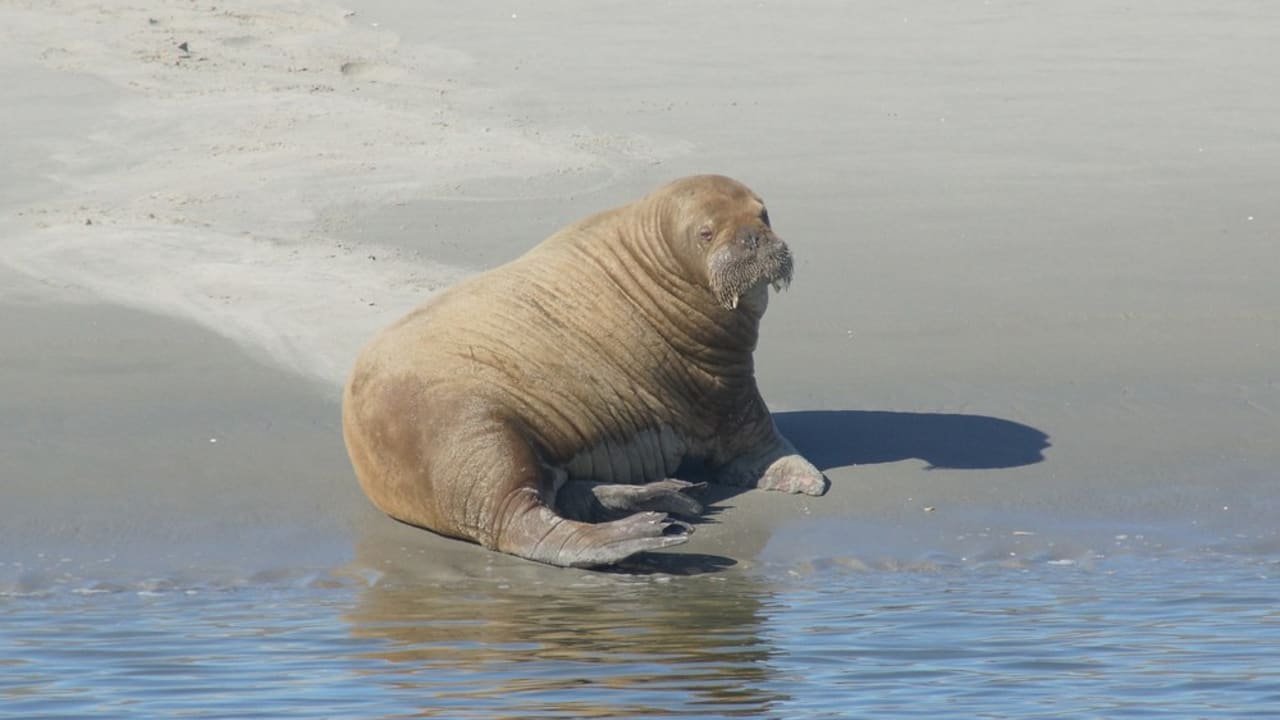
x=540 y=408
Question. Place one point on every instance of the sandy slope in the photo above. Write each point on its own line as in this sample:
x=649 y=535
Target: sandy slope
x=202 y=183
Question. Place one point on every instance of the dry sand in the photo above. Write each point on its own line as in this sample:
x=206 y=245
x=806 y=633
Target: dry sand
x=1035 y=314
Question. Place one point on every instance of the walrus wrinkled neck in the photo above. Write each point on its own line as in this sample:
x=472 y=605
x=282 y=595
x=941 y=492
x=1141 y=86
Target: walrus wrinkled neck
x=674 y=290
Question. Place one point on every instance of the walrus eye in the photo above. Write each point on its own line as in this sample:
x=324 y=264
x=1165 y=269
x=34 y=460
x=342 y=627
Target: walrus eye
x=705 y=233
x=764 y=218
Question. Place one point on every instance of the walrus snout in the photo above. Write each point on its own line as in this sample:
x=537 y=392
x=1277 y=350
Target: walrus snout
x=774 y=257
x=756 y=257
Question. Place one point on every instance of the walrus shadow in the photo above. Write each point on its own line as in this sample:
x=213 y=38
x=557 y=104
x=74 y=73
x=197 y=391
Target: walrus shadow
x=839 y=438
x=836 y=438
x=668 y=563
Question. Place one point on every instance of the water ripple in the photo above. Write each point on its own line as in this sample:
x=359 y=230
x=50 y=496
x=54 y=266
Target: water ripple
x=1142 y=639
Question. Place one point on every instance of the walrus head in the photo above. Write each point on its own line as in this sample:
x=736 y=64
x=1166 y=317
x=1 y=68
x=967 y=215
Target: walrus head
x=746 y=262
x=728 y=232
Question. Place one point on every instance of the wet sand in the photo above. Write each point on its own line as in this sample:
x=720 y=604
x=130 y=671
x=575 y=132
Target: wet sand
x=1034 y=316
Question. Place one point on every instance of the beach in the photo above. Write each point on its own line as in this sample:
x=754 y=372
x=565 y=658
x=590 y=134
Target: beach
x=1034 y=321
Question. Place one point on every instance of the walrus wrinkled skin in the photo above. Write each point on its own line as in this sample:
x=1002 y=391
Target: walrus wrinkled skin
x=540 y=408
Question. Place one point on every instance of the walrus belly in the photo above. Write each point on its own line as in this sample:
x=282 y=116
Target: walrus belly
x=646 y=456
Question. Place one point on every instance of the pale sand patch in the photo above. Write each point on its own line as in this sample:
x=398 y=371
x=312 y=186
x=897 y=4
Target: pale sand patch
x=202 y=185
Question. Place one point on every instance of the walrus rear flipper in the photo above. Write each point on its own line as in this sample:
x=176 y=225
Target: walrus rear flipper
x=533 y=531
x=596 y=502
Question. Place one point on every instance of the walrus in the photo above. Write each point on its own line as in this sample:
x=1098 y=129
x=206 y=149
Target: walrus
x=540 y=408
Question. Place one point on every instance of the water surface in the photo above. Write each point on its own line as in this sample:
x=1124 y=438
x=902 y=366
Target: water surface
x=1133 y=638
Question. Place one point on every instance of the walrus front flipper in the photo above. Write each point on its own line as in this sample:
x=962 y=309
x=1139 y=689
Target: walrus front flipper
x=535 y=532
x=598 y=502
x=759 y=456
x=779 y=467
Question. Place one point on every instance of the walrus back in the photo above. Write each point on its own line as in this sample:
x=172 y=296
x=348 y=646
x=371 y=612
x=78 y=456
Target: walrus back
x=553 y=341
x=467 y=400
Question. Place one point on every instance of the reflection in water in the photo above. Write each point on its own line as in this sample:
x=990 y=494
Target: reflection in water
x=1136 y=637
x=533 y=641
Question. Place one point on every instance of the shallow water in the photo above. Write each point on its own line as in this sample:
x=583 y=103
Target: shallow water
x=1129 y=638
